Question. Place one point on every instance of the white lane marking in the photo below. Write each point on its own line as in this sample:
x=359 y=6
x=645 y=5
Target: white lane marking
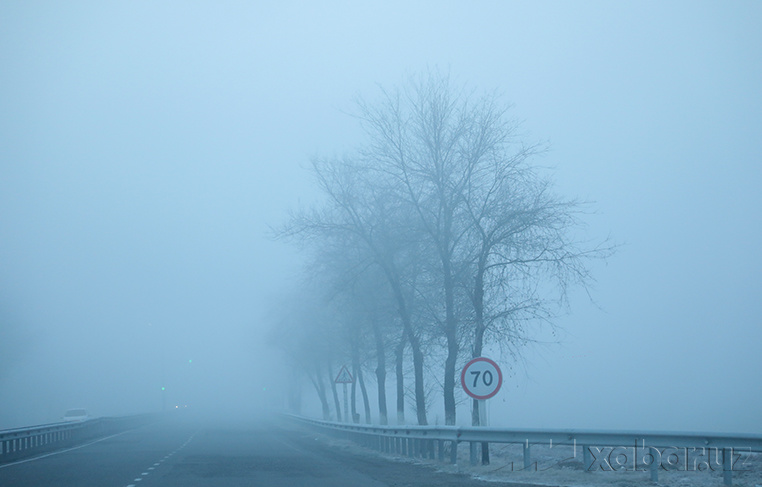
x=144 y=473
x=61 y=451
x=151 y=468
x=131 y=485
x=155 y=464
x=137 y=480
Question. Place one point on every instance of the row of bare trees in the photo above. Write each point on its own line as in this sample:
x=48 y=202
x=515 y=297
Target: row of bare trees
x=434 y=240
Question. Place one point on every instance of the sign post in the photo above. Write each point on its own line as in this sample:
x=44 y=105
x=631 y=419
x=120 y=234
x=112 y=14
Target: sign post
x=481 y=378
x=345 y=378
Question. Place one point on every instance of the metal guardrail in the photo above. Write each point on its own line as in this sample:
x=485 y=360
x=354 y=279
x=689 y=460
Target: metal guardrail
x=433 y=441
x=19 y=443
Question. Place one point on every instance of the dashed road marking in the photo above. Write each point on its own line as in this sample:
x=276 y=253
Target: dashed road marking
x=162 y=460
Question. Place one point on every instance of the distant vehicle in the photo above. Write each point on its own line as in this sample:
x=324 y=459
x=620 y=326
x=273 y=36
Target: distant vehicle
x=76 y=415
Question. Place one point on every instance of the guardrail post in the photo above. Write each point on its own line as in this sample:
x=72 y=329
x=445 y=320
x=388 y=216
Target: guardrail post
x=527 y=454
x=454 y=452
x=485 y=453
x=727 y=467
x=655 y=461
x=472 y=452
x=440 y=447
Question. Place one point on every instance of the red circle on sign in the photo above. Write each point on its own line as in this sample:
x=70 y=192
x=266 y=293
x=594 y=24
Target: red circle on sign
x=469 y=391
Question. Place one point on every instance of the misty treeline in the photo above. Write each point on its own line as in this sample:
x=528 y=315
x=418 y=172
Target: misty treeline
x=435 y=239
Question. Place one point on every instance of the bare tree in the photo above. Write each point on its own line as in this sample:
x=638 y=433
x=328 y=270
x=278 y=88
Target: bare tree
x=455 y=160
x=361 y=214
x=335 y=393
x=429 y=140
x=443 y=203
x=298 y=335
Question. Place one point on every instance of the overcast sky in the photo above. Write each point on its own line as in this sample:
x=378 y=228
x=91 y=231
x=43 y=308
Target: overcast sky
x=146 y=146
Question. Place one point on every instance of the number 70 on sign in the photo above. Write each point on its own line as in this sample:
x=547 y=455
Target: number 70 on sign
x=481 y=378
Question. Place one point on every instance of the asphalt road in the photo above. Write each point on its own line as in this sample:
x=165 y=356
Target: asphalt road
x=186 y=453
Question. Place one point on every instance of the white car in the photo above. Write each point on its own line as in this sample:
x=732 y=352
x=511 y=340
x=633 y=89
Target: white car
x=76 y=415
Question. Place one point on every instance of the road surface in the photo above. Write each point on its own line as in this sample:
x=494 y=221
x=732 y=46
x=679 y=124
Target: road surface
x=184 y=453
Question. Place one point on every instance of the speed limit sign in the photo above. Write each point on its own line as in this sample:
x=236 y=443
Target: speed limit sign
x=481 y=378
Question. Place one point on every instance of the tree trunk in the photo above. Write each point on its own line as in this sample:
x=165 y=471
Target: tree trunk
x=399 y=355
x=359 y=380
x=383 y=418
x=451 y=334
x=353 y=397
x=364 y=391
x=317 y=381
x=449 y=379
x=415 y=345
x=336 y=401
x=420 y=393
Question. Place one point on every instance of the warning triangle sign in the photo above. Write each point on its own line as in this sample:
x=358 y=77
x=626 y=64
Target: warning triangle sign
x=344 y=376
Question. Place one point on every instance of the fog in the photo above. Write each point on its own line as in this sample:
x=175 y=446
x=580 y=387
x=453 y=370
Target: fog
x=147 y=148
